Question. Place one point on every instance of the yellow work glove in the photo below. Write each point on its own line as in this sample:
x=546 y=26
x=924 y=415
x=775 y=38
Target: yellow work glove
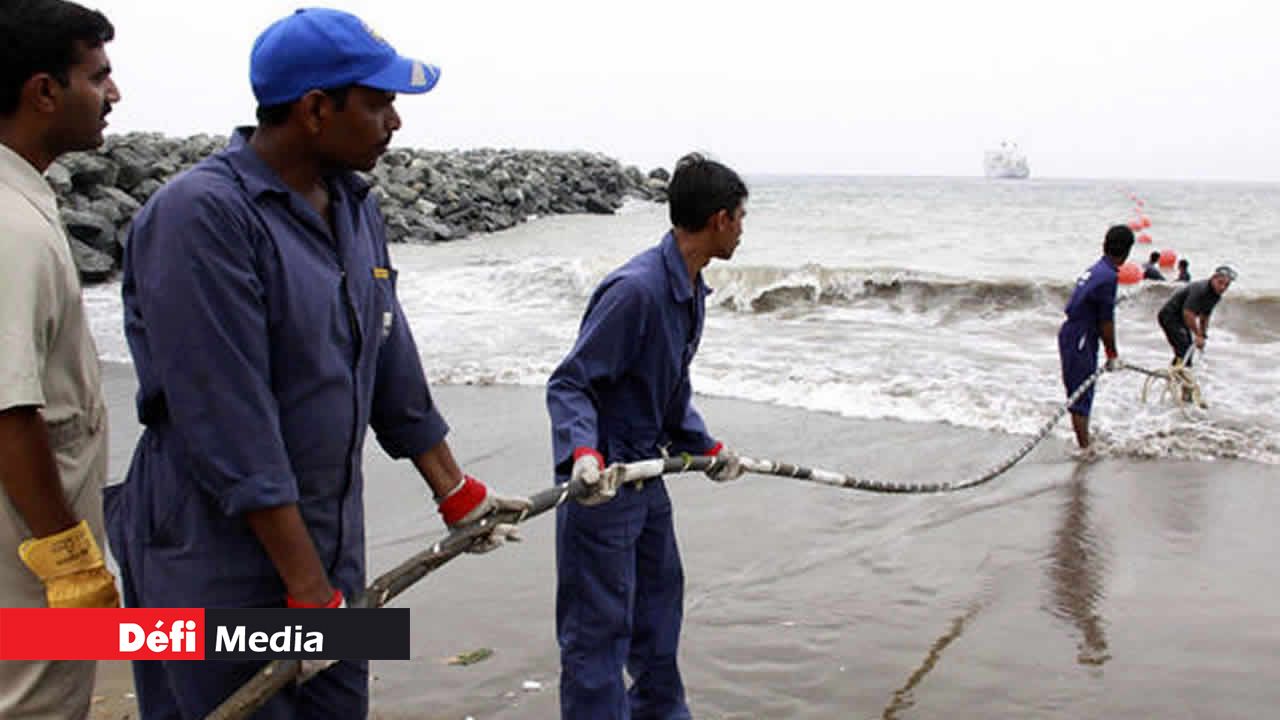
x=70 y=565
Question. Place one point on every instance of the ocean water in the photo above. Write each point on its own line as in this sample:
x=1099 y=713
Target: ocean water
x=916 y=299
x=1138 y=586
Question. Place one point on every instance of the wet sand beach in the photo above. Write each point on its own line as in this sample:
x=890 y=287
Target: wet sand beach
x=1118 y=588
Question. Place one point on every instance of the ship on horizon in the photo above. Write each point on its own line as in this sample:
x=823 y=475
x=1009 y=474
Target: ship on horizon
x=1006 y=162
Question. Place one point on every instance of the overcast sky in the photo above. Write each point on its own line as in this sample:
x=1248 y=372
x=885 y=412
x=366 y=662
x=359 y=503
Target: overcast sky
x=1093 y=89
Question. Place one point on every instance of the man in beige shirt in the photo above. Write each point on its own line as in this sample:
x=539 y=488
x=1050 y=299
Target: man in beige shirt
x=55 y=92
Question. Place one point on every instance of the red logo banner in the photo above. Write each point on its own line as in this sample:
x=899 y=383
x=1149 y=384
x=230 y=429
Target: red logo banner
x=102 y=634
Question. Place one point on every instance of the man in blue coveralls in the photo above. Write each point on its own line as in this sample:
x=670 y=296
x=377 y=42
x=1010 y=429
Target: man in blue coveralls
x=623 y=394
x=1091 y=315
x=261 y=312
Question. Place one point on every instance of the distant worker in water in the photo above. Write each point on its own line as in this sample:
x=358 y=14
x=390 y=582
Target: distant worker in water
x=1185 y=317
x=1090 y=317
x=1151 y=270
x=1184 y=275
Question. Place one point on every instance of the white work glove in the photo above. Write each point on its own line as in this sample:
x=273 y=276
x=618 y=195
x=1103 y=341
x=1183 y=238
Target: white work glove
x=469 y=502
x=1113 y=364
x=312 y=668
x=587 y=467
x=730 y=468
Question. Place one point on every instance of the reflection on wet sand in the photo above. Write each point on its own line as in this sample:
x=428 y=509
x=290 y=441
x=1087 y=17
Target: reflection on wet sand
x=1076 y=571
x=902 y=697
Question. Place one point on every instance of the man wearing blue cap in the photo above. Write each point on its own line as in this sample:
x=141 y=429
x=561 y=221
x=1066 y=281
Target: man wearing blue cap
x=261 y=313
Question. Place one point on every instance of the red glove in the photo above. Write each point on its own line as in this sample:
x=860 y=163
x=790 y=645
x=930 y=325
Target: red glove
x=311 y=668
x=462 y=501
x=584 y=450
x=335 y=601
x=730 y=469
x=587 y=466
x=470 y=501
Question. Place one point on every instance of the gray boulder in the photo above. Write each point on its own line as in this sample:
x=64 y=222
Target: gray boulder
x=93 y=264
x=89 y=170
x=59 y=178
x=91 y=229
x=425 y=196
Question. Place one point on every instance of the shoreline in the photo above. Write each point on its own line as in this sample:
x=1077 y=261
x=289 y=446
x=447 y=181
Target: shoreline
x=738 y=585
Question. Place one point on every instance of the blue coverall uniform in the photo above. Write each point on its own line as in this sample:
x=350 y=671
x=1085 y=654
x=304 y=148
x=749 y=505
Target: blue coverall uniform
x=1092 y=303
x=266 y=340
x=624 y=390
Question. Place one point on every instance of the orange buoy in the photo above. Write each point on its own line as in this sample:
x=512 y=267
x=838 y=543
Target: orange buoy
x=1168 y=258
x=1144 y=238
x=1146 y=221
x=1140 y=202
x=1134 y=225
x=1130 y=273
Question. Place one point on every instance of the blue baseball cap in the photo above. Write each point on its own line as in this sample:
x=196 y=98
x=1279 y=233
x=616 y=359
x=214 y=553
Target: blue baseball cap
x=318 y=48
